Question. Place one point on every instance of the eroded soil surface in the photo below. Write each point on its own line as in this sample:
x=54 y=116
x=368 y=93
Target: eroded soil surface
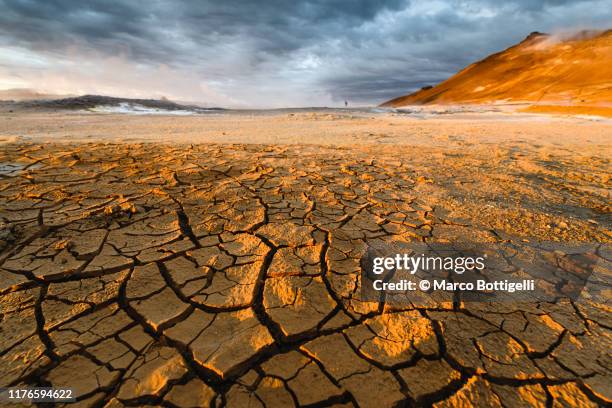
x=145 y=274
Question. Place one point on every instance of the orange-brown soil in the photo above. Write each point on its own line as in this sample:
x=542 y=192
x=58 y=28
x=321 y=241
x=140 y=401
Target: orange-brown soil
x=542 y=69
x=570 y=110
x=196 y=274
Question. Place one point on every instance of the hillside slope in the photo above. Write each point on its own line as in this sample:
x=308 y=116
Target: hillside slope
x=540 y=69
x=104 y=103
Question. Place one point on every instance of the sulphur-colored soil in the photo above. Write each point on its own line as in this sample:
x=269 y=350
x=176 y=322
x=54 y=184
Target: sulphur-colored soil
x=190 y=274
x=572 y=70
x=602 y=111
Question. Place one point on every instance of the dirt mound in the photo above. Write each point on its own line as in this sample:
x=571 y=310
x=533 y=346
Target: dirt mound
x=568 y=70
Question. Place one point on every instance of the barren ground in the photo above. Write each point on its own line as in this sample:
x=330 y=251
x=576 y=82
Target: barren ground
x=215 y=260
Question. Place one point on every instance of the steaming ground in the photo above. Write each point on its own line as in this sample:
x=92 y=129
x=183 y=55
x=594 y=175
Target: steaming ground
x=444 y=126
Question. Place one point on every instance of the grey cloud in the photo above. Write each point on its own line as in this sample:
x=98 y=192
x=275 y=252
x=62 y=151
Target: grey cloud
x=264 y=53
x=278 y=25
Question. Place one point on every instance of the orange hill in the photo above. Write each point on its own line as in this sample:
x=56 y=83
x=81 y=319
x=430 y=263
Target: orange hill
x=541 y=69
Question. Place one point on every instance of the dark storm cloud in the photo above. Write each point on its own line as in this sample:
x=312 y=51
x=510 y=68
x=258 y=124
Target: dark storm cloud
x=278 y=25
x=282 y=51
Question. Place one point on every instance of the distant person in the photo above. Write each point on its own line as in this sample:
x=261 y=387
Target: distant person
x=346 y=104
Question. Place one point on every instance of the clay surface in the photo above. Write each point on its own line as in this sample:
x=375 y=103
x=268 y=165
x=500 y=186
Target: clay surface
x=227 y=274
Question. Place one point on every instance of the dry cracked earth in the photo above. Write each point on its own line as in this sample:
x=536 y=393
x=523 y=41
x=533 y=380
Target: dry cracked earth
x=228 y=275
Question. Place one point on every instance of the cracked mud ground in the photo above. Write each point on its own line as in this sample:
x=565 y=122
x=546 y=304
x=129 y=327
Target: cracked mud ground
x=228 y=275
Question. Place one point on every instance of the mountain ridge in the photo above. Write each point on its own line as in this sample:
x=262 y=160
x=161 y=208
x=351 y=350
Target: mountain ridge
x=85 y=102
x=543 y=68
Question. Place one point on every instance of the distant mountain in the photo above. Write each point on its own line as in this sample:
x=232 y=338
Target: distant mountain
x=96 y=101
x=572 y=70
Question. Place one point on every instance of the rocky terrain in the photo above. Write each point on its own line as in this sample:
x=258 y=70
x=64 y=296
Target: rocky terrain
x=227 y=274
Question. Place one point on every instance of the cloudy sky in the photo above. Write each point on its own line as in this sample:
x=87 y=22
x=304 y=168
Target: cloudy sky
x=265 y=53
